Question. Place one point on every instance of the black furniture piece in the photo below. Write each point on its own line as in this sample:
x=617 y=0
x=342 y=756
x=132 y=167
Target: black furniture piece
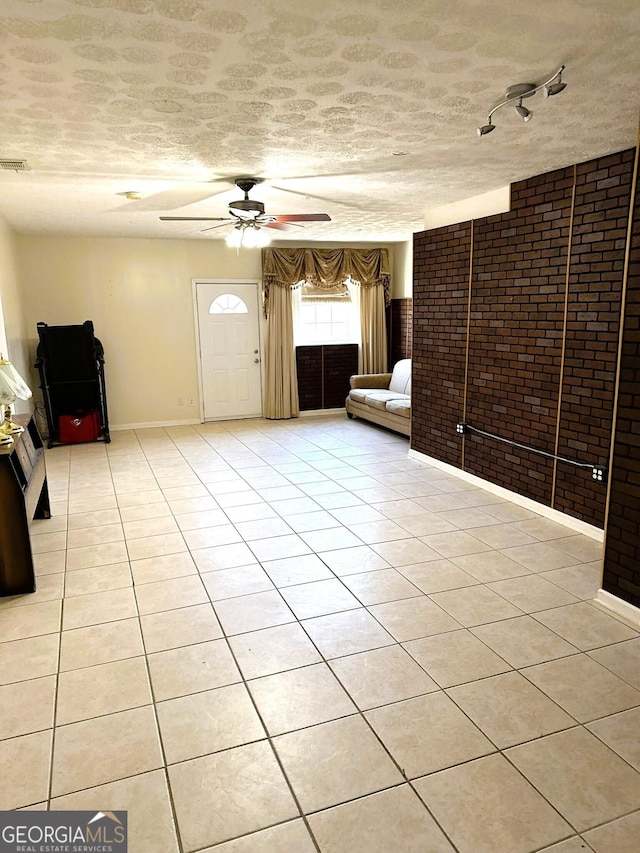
x=70 y=361
x=23 y=495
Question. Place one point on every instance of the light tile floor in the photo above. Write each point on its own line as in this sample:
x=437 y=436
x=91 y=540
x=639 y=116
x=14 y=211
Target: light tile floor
x=280 y=637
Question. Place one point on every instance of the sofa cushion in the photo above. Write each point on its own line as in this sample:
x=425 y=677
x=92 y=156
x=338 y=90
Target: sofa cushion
x=370 y=380
x=379 y=399
x=360 y=394
x=399 y=407
x=401 y=377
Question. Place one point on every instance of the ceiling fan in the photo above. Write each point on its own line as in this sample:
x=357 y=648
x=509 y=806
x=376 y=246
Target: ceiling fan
x=249 y=217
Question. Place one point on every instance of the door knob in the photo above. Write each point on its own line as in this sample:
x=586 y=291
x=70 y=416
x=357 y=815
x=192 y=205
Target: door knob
x=256 y=360
x=255 y=352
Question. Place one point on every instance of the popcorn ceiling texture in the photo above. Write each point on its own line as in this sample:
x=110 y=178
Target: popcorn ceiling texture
x=162 y=96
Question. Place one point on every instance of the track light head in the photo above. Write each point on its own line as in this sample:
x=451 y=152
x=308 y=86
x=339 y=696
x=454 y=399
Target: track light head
x=554 y=88
x=523 y=112
x=486 y=128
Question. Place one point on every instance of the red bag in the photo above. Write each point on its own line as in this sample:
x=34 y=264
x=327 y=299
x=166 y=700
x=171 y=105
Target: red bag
x=73 y=429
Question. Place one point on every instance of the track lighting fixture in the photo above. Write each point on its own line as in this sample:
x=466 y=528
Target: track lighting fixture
x=514 y=94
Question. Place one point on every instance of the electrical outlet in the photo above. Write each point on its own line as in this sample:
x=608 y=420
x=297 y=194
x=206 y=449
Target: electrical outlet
x=599 y=473
x=181 y=401
x=190 y=402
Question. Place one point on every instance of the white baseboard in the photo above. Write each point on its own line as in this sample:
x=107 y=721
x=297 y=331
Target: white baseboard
x=154 y=424
x=541 y=509
x=196 y=421
x=618 y=606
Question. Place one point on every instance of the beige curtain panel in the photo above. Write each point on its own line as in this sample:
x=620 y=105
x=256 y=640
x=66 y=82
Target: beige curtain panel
x=373 y=342
x=281 y=378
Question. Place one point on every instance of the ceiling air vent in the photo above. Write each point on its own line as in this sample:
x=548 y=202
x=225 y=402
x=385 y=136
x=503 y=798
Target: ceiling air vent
x=15 y=165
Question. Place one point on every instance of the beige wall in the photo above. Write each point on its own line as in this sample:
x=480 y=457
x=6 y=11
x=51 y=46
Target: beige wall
x=485 y=204
x=138 y=293
x=402 y=283
x=12 y=321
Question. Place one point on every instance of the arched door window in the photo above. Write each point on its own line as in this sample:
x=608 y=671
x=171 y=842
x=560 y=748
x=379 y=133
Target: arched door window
x=228 y=303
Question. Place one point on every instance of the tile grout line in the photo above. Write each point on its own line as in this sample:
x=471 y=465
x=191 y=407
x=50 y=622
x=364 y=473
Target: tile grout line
x=49 y=796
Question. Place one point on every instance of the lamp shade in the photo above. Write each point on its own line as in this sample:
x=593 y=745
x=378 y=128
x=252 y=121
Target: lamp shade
x=234 y=239
x=12 y=385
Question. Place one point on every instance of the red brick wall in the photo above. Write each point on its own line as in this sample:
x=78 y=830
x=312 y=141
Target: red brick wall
x=440 y=301
x=515 y=334
x=622 y=549
x=309 y=369
x=399 y=330
x=522 y=262
x=600 y=222
x=323 y=374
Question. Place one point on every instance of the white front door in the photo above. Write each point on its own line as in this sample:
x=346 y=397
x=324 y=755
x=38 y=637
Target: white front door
x=228 y=320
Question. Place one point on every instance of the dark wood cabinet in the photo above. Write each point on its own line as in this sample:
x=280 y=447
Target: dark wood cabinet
x=23 y=496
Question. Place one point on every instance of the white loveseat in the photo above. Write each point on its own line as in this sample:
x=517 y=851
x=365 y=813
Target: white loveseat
x=383 y=398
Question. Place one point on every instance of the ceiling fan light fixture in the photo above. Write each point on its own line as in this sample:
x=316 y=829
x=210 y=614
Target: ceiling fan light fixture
x=262 y=238
x=247 y=235
x=514 y=94
x=250 y=237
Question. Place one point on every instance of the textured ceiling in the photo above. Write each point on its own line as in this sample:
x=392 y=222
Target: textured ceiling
x=172 y=98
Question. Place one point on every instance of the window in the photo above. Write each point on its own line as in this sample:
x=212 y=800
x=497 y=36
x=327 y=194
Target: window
x=326 y=317
x=326 y=323
x=228 y=303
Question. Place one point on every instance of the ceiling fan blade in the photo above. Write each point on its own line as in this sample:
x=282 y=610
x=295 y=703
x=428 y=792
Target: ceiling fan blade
x=213 y=227
x=303 y=217
x=319 y=176
x=180 y=195
x=281 y=226
x=340 y=201
x=196 y=219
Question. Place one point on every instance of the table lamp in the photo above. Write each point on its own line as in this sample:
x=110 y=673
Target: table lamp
x=12 y=387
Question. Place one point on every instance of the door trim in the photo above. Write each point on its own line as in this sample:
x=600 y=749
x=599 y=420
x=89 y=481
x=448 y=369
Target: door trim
x=194 y=296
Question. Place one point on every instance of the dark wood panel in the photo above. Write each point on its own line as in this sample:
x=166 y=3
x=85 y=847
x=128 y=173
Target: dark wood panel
x=23 y=495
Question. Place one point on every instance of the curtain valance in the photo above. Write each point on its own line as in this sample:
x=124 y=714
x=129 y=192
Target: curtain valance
x=324 y=268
